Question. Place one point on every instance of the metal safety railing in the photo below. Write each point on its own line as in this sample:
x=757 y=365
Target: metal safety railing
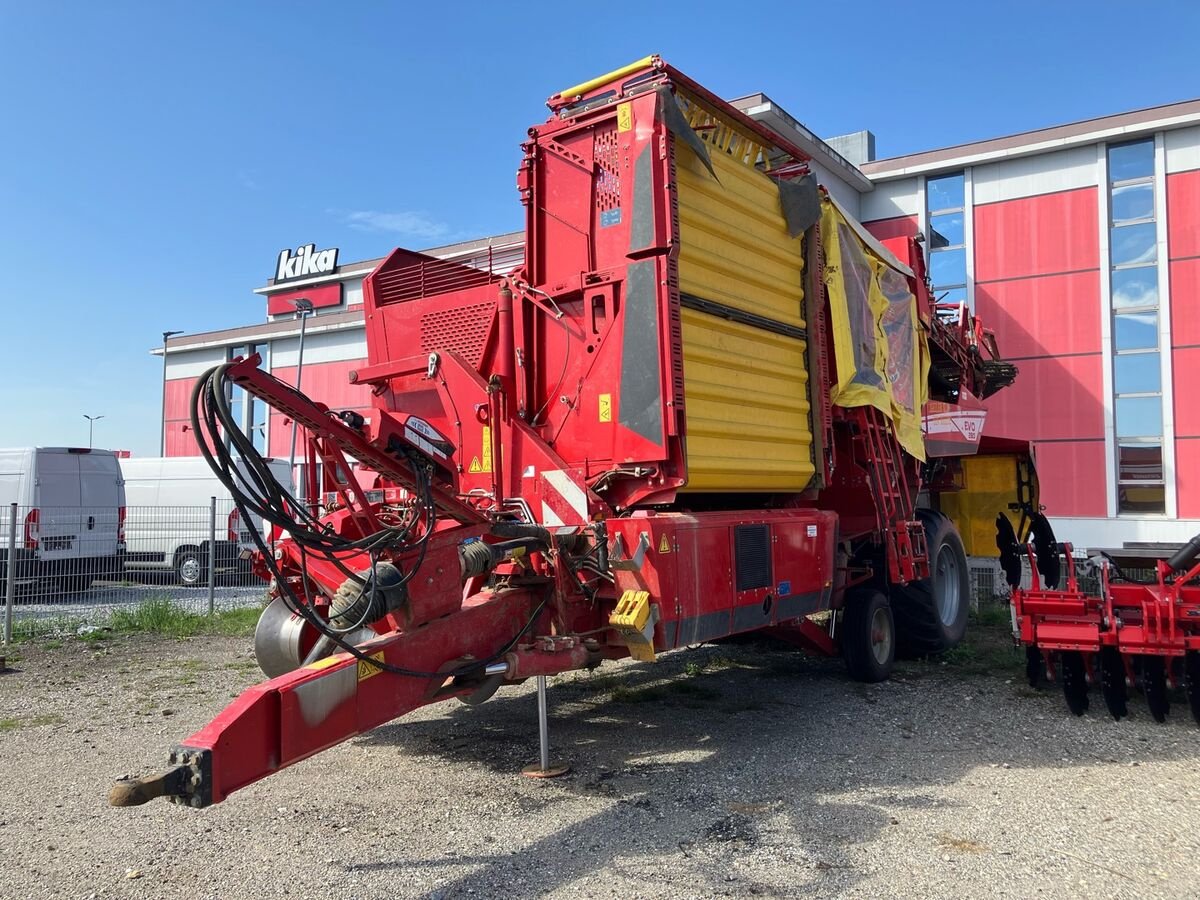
x=67 y=568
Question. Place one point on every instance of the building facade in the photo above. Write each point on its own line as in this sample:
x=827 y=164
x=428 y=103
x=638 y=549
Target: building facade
x=1078 y=245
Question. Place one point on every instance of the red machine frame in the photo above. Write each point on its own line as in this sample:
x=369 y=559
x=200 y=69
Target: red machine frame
x=547 y=542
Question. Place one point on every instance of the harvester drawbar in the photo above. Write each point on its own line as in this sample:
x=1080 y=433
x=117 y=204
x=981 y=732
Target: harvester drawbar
x=1132 y=634
x=706 y=402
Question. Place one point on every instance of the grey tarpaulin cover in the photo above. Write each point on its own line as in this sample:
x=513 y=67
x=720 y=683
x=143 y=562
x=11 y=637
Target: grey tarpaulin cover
x=801 y=203
x=672 y=117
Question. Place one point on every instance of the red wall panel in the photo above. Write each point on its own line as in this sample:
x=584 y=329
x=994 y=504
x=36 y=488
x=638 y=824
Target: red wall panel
x=901 y=226
x=1053 y=398
x=177 y=425
x=1187 y=478
x=1183 y=214
x=328 y=383
x=321 y=296
x=181 y=440
x=1185 y=302
x=1046 y=316
x=1039 y=235
x=1185 y=370
x=179 y=397
x=1072 y=478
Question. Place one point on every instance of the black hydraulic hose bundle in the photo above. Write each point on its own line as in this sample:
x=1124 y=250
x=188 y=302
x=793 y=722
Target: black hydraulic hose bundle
x=255 y=492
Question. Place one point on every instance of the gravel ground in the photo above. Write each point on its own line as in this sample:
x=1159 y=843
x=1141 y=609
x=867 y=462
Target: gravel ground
x=721 y=771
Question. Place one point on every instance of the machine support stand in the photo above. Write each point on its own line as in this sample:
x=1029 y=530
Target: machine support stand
x=543 y=768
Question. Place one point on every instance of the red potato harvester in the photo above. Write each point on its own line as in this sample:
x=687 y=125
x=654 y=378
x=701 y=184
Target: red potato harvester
x=706 y=403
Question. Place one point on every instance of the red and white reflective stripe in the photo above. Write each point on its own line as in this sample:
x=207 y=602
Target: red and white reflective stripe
x=967 y=423
x=563 y=501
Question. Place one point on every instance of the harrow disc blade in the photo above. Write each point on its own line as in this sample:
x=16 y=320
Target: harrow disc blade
x=1034 y=665
x=1046 y=547
x=1112 y=682
x=1010 y=553
x=1154 y=685
x=1191 y=677
x=1074 y=682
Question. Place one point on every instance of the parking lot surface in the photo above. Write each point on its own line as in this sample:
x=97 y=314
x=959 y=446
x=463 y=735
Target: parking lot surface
x=726 y=771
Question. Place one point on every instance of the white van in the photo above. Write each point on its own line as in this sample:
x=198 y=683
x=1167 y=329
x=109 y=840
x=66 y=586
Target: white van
x=167 y=527
x=71 y=515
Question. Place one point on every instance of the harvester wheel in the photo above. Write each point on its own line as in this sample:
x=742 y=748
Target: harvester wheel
x=868 y=635
x=1154 y=685
x=1191 y=680
x=1074 y=681
x=931 y=615
x=1112 y=682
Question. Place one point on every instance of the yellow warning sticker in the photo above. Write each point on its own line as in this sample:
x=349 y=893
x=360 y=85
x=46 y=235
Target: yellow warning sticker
x=625 y=117
x=606 y=407
x=664 y=546
x=485 y=454
x=366 y=670
x=475 y=468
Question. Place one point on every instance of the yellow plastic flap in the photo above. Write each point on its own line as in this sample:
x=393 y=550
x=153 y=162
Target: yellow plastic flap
x=879 y=345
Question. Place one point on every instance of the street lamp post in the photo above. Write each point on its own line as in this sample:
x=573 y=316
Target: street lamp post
x=304 y=309
x=92 y=420
x=162 y=431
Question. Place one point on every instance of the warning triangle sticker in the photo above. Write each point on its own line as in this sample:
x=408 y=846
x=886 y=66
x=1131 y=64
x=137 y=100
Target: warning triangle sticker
x=664 y=546
x=475 y=468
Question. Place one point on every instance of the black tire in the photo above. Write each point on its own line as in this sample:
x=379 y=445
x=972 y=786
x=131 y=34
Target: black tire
x=868 y=635
x=76 y=577
x=190 y=567
x=931 y=615
x=75 y=584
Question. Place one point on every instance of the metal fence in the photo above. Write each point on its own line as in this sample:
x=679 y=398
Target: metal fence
x=988 y=581
x=67 y=568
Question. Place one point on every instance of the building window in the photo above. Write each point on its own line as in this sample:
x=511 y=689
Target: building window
x=1137 y=367
x=250 y=413
x=946 y=208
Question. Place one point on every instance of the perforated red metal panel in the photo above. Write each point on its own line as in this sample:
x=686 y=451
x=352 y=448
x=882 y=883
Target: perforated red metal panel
x=608 y=162
x=463 y=330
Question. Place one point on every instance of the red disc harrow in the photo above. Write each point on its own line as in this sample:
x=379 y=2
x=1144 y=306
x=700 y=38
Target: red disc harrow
x=1132 y=635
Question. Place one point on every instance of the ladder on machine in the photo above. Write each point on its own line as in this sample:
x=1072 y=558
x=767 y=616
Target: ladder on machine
x=893 y=475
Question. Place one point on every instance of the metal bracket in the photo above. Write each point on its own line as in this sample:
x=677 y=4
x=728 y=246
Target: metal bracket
x=434 y=359
x=618 y=560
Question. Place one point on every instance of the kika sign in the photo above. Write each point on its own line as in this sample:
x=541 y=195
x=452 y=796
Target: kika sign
x=306 y=262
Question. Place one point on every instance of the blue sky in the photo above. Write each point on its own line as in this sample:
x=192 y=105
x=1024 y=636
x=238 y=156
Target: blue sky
x=155 y=157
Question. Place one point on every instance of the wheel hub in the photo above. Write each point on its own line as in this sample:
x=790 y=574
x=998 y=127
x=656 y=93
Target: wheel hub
x=189 y=570
x=881 y=636
x=947 y=585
